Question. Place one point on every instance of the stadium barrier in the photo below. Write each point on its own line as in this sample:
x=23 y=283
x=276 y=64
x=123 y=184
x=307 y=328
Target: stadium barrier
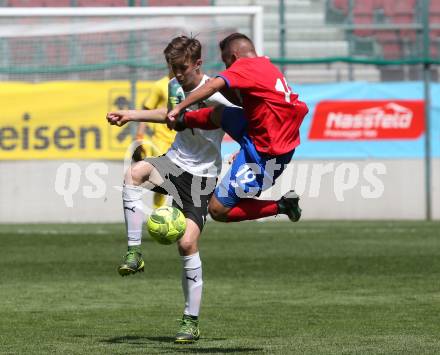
x=348 y=167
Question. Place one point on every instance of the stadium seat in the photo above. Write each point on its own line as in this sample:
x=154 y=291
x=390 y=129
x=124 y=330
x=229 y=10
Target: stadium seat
x=103 y=3
x=397 y=7
x=178 y=2
x=434 y=13
x=99 y=3
x=341 y=5
x=24 y=3
x=434 y=18
x=39 y=3
x=363 y=8
x=56 y=55
x=364 y=19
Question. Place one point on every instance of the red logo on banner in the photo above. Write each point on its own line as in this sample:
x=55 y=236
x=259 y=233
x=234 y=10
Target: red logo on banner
x=360 y=120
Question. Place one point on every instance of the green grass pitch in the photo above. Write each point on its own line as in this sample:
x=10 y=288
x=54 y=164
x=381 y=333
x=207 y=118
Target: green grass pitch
x=274 y=288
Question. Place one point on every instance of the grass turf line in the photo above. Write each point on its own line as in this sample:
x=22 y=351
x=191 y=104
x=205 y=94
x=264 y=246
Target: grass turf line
x=306 y=288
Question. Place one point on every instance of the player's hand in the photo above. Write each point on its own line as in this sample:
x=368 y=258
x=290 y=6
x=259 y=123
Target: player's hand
x=119 y=118
x=172 y=117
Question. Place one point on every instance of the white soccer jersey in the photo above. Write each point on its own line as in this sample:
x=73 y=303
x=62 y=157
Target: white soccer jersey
x=196 y=150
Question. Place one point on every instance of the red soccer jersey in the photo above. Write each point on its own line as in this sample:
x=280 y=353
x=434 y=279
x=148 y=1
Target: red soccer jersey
x=273 y=111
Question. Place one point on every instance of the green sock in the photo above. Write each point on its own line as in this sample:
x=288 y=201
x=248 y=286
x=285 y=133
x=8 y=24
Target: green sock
x=281 y=206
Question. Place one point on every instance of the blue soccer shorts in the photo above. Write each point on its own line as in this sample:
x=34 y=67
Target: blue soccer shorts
x=251 y=172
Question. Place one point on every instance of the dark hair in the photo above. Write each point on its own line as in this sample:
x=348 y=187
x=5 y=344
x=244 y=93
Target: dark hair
x=183 y=47
x=224 y=43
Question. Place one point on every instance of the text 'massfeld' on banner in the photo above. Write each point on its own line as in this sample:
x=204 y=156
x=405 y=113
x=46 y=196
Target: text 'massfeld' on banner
x=367 y=120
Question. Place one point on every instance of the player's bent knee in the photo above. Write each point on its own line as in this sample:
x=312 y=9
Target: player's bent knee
x=188 y=244
x=187 y=247
x=138 y=173
x=217 y=213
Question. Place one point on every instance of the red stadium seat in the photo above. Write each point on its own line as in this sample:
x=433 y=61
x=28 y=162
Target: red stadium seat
x=390 y=43
x=435 y=34
x=395 y=7
x=406 y=7
x=386 y=36
x=178 y=2
x=341 y=5
x=364 y=7
x=434 y=18
x=56 y=3
x=99 y=3
x=363 y=20
x=434 y=7
x=403 y=19
x=26 y=3
x=56 y=55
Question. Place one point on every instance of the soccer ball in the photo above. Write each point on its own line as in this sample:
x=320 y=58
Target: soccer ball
x=166 y=225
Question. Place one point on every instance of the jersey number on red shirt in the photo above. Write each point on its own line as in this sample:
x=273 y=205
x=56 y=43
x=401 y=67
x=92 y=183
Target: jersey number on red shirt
x=282 y=86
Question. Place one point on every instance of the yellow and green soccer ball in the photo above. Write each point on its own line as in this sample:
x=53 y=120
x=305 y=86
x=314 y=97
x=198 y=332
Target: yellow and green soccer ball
x=166 y=225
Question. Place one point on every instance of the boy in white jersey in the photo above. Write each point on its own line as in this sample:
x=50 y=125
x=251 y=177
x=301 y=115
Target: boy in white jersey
x=188 y=172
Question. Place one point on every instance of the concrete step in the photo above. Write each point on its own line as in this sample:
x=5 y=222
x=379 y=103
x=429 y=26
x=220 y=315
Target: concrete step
x=306 y=34
x=307 y=49
x=298 y=3
x=271 y=21
x=295 y=19
x=310 y=74
x=295 y=6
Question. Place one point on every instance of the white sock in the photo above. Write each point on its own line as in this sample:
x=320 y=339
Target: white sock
x=133 y=213
x=192 y=283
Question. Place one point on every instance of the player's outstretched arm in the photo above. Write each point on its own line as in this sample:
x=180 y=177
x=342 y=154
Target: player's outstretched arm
x=206 y=90
x=119 y=118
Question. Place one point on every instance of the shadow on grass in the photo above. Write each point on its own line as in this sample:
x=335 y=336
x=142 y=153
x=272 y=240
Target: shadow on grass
x=132 y=339
x=188 y=348
x=216 y=350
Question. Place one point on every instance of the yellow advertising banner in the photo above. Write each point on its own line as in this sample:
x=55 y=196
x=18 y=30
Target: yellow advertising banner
x=64 y=120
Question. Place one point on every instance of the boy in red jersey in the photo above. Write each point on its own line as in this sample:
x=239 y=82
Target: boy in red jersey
x=267 y=129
